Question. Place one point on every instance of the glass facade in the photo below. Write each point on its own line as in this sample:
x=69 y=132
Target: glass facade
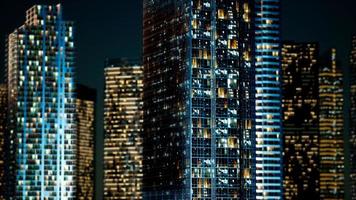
x=268 y=100
x=40 y=75
x=200 y=100
x=3 y=122
x=331 y=124
x=85 y=105
x=301 y=120
x=353 y=119
x=123 y=118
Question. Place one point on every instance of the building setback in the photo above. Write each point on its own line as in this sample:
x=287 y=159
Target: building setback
x=85 y=171
x=41 y=92
x=301 y=120
x=207 y=134
x=123 y=118
x=331 y=124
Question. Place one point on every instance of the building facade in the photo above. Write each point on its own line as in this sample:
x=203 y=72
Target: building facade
x=41 y=93
x=85 y=171
x=3 y=128
x=268 y=100
x=331 y=124
x=353 y=119
x=123 y=118
x=301 y=120
x=208 y=135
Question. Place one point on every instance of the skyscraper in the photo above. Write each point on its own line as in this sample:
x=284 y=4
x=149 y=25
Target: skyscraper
x=353 y=119
x=331 y=125
x=268 y=100
x=85 y=171
x=301 y=120
x=201 y=125
x=40 y=78
x=123 y=117
x=3 y=125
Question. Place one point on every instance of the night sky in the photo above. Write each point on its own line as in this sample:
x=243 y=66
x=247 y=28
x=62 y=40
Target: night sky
x=112 y=28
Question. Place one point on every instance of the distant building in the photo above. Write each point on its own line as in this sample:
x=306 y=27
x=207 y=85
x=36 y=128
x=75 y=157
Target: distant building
x=86 y=101
x=353 y=119
x=301 y=120
x=331 y=124
x=207 y=133
x=123 y=118
x=41 y=92
x=3 y=125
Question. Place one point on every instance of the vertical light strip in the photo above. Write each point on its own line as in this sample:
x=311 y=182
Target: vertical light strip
x=24 y=147
x=43 y=103
x=213 y=81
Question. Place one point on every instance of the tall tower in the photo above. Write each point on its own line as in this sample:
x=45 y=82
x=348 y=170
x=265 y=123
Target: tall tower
x=331 y=125
x=3 y=128
x=41 y=92
x=268 y=100
x=123 y=117
x=353 y=119
x=85 y=171
x=301 y=120
x=200 y=117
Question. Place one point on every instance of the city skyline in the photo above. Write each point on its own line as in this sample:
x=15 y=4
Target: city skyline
x=268 y=118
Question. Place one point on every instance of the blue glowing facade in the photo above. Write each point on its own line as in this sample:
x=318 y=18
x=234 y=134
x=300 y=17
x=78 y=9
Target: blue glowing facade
x=207 y=133
x=268 y=100
x=40 y=75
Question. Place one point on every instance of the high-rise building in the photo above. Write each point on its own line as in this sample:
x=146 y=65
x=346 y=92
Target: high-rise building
x=123 y=116
x=353 y=120
x=85 y=171
x=331 y=124
x=41 y=91
x=200 y=101
x=3 y=125
x=268 y=100
x=301 y=120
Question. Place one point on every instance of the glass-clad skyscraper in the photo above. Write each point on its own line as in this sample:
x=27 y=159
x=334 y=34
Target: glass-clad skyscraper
x=40 y=78
x=85 y=170
x=301 y=120
x=123 y=116
x=268 y=100
x=200 y=100
x=331 y=124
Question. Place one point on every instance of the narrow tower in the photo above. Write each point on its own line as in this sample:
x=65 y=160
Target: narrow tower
x=85 y=171
x=268 y=100
x=331 y=124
